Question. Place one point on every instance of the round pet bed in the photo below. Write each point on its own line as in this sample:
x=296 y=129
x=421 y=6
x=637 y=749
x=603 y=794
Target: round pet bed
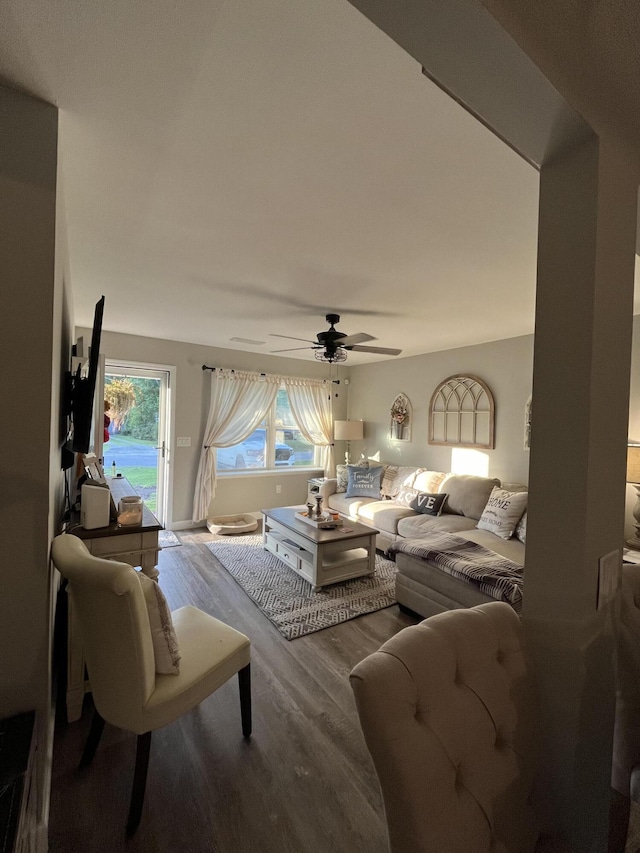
x=232 y=524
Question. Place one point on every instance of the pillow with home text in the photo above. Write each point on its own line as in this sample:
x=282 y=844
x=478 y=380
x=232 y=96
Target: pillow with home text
x=503 y=511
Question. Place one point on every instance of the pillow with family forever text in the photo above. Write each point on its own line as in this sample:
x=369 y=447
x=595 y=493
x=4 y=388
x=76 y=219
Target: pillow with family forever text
x=342 y=474
x=364 y=482
x=503 y=511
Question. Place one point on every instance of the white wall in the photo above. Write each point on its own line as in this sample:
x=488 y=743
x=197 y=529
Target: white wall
x=34 y=351
x=506 y=366
x=245 y=493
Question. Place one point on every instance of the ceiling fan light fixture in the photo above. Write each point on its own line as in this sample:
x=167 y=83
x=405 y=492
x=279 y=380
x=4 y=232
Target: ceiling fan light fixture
x=332 y=356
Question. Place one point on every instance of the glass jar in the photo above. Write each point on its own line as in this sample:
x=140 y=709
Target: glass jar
x=130 y=511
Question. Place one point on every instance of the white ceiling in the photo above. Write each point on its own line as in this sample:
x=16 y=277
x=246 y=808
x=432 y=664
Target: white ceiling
x=234 y=169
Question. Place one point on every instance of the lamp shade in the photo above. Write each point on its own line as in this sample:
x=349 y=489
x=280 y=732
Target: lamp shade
x=350 y=430
x=633 y=464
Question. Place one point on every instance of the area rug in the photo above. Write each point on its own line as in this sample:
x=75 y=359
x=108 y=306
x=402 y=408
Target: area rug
x=287 y=599
x=168 y=539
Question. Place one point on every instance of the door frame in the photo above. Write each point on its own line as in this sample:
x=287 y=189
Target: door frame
x=170 y=416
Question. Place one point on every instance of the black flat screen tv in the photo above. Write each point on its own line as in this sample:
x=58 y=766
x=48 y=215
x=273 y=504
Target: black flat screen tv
x=84 y=387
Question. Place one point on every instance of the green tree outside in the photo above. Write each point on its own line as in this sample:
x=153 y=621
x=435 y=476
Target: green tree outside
x=142 y=420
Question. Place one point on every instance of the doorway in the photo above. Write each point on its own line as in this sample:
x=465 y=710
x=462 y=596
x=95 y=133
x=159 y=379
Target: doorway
x=138 y=431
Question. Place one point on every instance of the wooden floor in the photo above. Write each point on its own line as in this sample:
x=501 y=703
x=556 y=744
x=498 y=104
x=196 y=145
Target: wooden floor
x=304 y=783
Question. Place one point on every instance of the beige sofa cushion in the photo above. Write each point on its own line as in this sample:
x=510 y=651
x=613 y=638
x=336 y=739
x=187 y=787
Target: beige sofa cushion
x=467 y=494
x=384 y=515
x=415 y=526
x=339 y=502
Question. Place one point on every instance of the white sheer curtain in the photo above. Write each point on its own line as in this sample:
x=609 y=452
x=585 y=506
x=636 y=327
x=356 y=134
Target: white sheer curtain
x=311 y=407
x=239 y=403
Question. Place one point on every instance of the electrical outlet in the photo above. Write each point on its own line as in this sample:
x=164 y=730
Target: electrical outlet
x=183 y=441
x=278 y=489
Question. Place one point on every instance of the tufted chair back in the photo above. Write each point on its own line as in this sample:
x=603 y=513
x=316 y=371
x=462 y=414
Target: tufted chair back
x=114 y=625
x=449 y=716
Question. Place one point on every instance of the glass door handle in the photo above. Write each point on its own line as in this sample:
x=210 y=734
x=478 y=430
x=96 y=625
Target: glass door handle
x=162 y=448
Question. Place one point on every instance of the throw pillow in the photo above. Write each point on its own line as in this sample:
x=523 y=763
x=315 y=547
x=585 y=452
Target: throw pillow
x=364 y=482
x=521 y=529
x=342 y=477
x=428 y=481
x=387 y=486
x=468 y=494
x=405 y=497
x=429 y=504
x=163 y=635
x=502 y=512
x=423 y=502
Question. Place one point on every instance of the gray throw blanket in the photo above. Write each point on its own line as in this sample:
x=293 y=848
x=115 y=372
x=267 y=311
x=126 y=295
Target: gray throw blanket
x=494 y=575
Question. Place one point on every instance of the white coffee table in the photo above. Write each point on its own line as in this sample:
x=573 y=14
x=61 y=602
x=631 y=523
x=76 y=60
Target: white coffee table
x=321 y=557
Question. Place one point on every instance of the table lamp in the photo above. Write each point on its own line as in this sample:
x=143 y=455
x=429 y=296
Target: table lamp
x=633 y=477
x=354 y=431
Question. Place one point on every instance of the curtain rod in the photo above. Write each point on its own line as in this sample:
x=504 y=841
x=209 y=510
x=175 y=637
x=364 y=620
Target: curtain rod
x=231 y=370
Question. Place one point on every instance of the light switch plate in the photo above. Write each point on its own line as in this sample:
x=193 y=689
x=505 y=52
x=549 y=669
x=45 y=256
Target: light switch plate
x=184 y=441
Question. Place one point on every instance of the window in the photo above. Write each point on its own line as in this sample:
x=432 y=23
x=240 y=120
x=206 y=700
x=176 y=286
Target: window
x=276 y=443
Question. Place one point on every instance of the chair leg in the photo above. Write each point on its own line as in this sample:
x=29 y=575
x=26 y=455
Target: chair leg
x=139 y=782
x=244 y=681
x=97 y=726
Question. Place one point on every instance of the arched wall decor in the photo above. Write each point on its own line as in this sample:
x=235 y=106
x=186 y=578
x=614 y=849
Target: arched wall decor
x=527 y=424
x=401 y=416
x=461 y=413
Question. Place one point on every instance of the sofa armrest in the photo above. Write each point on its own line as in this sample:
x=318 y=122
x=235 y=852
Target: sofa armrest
x=329 y=487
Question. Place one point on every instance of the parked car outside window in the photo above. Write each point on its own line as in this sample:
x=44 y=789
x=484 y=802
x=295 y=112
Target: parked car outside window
x=251 y=453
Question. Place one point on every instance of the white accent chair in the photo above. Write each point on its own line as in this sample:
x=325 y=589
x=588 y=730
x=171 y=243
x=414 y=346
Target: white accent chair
x=127 y=692
x=450 y=717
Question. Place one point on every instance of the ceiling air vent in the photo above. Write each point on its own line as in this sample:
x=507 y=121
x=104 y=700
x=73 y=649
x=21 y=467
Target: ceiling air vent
x=247 y=341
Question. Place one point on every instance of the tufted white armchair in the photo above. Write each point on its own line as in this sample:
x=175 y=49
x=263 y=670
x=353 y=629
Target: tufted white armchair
x=449 y=715
x=116 y=636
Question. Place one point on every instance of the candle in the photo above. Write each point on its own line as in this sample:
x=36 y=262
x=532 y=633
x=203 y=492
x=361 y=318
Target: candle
x=130 y=511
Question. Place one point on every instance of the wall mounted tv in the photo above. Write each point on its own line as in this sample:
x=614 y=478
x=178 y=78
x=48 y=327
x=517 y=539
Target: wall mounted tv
x=83 y=389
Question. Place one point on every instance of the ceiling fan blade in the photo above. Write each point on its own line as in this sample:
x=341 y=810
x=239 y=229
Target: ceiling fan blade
x=293 y=349
x=356 y=339
x=379 y=350
x=289 y=338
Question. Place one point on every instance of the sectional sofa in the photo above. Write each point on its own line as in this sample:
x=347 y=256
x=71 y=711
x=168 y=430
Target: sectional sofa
x=421 y=586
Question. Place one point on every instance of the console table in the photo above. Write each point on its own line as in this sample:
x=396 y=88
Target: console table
x=137 y=546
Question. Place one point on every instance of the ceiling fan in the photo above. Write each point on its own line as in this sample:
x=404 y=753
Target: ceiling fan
x=332 y=345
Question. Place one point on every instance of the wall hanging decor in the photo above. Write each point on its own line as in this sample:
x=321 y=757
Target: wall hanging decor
x=461 y=413
x=401 y=416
